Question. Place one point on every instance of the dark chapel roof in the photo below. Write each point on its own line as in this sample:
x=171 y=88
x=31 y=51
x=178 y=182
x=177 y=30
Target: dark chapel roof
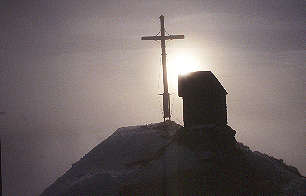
x=198 y=82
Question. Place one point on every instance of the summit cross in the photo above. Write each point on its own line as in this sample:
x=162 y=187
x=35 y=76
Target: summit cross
x=162 y=37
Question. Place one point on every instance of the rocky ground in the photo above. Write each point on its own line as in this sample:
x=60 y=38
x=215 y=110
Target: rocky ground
x=167 y=159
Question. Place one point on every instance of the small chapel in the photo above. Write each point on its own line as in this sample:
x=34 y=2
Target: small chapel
x=204 y=99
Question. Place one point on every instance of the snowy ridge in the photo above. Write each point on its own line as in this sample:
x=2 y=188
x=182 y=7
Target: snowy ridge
x=160 y=158
x=110 y=158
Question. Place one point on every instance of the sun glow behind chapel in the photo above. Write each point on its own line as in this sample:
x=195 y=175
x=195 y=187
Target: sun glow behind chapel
x=182 y=63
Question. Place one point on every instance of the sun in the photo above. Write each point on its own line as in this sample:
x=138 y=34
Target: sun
x=180 y=63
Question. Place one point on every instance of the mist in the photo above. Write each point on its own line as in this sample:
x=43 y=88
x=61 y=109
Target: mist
x=72 y=72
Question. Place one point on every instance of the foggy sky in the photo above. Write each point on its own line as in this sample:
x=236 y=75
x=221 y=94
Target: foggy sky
x=72 y=72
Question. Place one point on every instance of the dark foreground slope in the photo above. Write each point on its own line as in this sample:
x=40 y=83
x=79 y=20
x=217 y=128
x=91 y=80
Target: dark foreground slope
x=166 y=159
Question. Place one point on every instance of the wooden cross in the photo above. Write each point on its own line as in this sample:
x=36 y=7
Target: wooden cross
x=163 y=38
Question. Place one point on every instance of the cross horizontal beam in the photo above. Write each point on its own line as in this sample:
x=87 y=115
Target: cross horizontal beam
x=169 y=37
x=162 y=37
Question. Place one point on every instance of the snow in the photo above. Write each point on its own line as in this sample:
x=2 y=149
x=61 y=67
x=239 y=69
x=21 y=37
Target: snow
x=111 y=157
x=139 y=154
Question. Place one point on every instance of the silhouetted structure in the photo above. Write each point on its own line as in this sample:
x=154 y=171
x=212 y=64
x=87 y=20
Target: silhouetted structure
x=204 y=99
x=162 y=37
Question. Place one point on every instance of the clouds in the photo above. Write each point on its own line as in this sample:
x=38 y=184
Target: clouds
x=76 y=66
x=71 y=25
x=45 y=43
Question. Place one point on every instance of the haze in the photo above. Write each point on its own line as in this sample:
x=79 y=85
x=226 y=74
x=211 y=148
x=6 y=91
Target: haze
x=74 y=71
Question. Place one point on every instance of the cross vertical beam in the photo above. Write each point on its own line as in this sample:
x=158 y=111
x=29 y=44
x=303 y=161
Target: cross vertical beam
x=163 y=38
x=166 y=98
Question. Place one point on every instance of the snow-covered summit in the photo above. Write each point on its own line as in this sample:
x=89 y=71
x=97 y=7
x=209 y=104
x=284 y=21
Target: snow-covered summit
x=167 y=159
